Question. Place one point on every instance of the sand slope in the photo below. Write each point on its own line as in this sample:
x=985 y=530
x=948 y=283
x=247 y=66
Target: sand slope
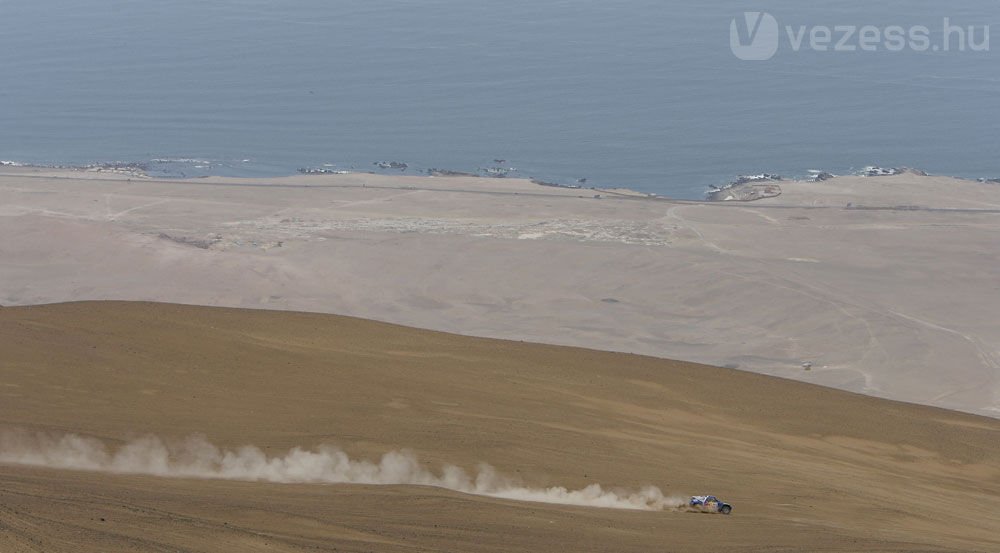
x=899 y=301
x=808 y=468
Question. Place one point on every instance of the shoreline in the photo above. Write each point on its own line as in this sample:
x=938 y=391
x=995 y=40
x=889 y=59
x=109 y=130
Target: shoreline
x=140 y=171
x=742 y=189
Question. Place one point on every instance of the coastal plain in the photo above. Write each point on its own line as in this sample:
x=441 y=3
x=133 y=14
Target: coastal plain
x=886 y=286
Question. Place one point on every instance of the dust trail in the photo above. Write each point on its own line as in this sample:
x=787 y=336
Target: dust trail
x=196 y=457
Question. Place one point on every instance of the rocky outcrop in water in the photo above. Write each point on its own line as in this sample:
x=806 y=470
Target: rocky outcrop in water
x=751 y=179
x=747 y=188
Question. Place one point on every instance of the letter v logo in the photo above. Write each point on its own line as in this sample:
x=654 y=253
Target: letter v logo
x=755 y=38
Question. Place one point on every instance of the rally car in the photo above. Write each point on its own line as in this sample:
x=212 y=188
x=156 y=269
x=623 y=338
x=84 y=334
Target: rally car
x=709 y=504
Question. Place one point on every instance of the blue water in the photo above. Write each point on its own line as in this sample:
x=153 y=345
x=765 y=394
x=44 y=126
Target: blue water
x=639 y=93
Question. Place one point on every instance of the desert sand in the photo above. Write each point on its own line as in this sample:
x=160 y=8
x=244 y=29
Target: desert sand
x=889 y=286
x=807 y=468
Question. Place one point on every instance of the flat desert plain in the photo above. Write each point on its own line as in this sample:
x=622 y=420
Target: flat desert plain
x=807 y=468
x=888 y=286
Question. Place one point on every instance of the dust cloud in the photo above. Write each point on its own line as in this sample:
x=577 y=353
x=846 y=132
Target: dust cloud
x=196 y=457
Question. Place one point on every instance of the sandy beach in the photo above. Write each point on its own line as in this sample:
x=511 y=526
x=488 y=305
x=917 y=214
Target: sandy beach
x=887 y=286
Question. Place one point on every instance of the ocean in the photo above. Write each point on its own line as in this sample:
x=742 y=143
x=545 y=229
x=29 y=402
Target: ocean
x=645 y=94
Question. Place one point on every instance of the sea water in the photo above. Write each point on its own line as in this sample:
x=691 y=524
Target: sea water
x=640 y=93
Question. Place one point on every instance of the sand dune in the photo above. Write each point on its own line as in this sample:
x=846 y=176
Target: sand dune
x=808 y=468
x=895 y=297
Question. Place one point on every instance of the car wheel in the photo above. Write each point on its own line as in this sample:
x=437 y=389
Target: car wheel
x=726 y=509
